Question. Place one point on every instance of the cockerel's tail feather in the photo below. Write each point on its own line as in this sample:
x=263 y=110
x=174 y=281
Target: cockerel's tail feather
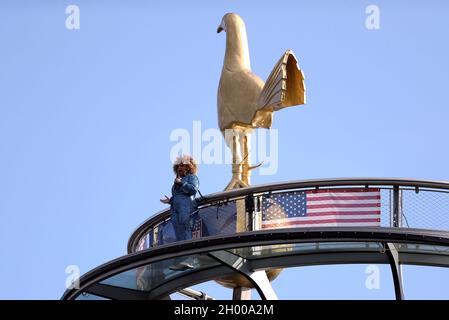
x=284 y=88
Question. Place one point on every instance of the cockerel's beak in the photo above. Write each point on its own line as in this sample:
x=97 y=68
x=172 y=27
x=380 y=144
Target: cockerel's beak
x=221 y=27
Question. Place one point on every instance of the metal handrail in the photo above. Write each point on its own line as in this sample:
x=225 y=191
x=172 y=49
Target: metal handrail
x=225 y=196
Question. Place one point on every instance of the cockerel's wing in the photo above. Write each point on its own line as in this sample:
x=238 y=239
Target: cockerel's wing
x=284 y=88
x=238 y=93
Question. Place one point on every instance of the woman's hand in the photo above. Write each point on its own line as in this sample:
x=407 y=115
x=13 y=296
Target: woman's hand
x=178 y=181
x=165 y=200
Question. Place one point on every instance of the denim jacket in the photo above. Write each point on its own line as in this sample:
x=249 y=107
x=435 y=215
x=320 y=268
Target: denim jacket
x=183 y=195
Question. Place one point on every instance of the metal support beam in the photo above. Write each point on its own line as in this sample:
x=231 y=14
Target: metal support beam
x=241 y=293
x=393 y=257
x=243 y=223
x=257 y=278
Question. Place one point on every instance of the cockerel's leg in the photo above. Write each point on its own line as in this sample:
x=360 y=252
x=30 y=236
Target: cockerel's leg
x=234 y=142
x=245 y=143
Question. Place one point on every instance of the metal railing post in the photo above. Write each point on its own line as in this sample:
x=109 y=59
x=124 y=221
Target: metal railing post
x=397 y=207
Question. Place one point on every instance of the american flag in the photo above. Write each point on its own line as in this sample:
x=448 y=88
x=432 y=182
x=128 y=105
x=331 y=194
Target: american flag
x=197 y=229
x=322 y=208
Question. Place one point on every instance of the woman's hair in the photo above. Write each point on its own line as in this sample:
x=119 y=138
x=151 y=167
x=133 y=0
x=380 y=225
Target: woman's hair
x=187 y=160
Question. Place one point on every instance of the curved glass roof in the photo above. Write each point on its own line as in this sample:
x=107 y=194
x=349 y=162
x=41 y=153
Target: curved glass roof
x=155 y=275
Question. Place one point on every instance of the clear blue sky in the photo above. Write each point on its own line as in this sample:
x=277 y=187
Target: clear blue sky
x=86 y=115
